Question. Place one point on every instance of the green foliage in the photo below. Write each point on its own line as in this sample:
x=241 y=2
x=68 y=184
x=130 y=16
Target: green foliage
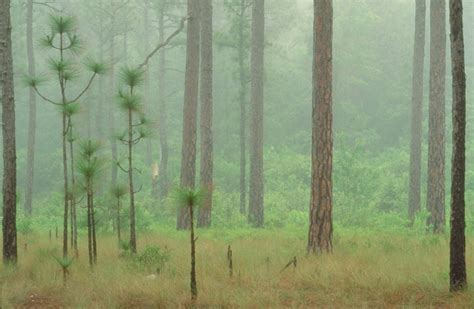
x=71 y=109
x=64 y=262
x=129 y=101
x=131 y=77
x=119 y=190
x=34 y=81
x=95 y=67
x=62 y=24
x=153 y=258
x=187 y=197
x=89 y=165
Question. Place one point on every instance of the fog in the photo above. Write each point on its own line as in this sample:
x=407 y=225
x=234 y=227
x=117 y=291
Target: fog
x=221 y=111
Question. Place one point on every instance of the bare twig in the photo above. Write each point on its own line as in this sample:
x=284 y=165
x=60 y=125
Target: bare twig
x=85 y=89
x=161 y=45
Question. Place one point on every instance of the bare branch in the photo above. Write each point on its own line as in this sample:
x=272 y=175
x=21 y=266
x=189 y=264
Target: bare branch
x=85 y=89
x=49 y=6
x=45 y=98
x=161 y=45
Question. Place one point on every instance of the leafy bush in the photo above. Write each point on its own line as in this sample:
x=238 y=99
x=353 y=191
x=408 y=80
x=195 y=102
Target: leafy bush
x=153 y=258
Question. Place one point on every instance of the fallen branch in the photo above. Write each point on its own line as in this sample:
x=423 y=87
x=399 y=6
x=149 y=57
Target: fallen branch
x=291 y=262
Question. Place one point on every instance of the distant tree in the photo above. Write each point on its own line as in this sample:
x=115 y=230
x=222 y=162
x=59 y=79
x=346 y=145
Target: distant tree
x=10 y=253
x=437 y=127
x=89 y=167
x=256 y=192
x=206 y=114
x=160 y=184
x=320 y=230
x=238 y=39
x=30 y=163
x=417 y=110
x=457 y=261
x=136 y=130
x=63 y=39
x=191 y=83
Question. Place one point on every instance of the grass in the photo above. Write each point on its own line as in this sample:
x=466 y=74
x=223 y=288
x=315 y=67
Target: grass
x=367 y=269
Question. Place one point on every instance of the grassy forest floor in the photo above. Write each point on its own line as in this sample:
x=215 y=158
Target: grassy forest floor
x=367 y=269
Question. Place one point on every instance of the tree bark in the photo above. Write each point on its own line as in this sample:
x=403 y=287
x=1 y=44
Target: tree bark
x=188 y=159
x=457 y=261
x=436 y=144
x=256 y=192
x=30 y=161
x=206 y=114
x=133 y=236
x=113 y=140
x=417 y=111
x=162 y=182
x=243 y=109
x=10 y=253
x=320 y=230
x=147 y=68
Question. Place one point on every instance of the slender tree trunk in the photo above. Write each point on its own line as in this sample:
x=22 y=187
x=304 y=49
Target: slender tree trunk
x=66 y=187
x=206 y=114
x=133 y=237
x=256 y=195
x=188 y=159
x=100 y=103
x=320 y=230
x=30 y=163
x=89 y=224
x=119 y=236
x=436 y=148
x=457 y=261
x=162 y=183
x=147 y=68
x=111 y=112
x=194 y=292
x=10 y=253
x=73 y=198
x=417 y=110
x=94 y=238
x=243 y=110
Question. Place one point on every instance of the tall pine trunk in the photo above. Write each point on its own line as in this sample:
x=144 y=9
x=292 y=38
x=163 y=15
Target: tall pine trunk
x=243 y=110
x=161 y=186
x=111 y=112
x=320 y=230
x=457 y=261
x=206 y=114
x=30 y=156
x=256 y=191
x=436 y=144
x=188 y=154
x=417 y=111
x=10 y=253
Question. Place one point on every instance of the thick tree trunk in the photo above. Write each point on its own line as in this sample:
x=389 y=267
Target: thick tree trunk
x=10 y=253
x=436 y=144
x=256 y=192
x=243 y=110
x=320 y=230
x=206 y=114
x=30 y=156
x=188 y=159
x=417 y=111
x=457 y=261
x=89 y=226
x=148 y=109
x=162 y=183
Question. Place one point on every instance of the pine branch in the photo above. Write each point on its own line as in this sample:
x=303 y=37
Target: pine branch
x=84 y=90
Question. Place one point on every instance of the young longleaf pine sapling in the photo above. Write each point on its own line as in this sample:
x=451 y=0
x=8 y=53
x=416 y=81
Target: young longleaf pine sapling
x=136 y=130
x=63 y=40
x=89 y=166
x=190 y=198
x=118 y=192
